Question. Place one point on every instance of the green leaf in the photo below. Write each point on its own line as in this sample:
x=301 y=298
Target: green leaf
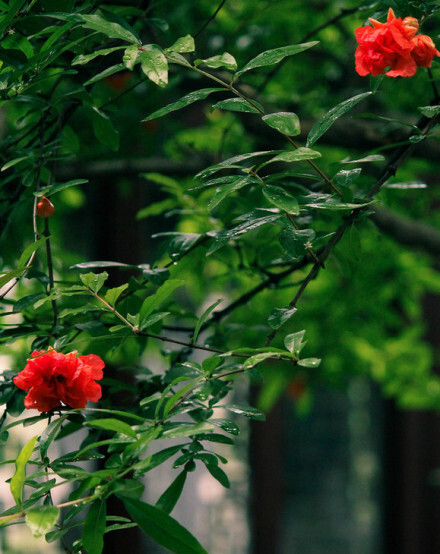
x=135 y=449
x=4 y=279
x=309 y=362
x=271 y=57
x=14 y=162
x=327 y=121
x=294 y=342
x=294 y=241
x=223 y=60
x=246 y=411
x=171 y=402
x=82 y=59
x=215 y=437
x=258 y=358
x=41 y=518
x=298 y=155
x=225 y=235
x=183 y=102
x=150 y=462
x=183 y=430
x=17 y=481
x=104 y=130
x=112 y=424
x=183 y=44
x=94 y=528
x=153 y=301
x=429 y=111
x=279 y=316
x=106 y=73
x=232 y=162
x=109 y=28
x=154 y=64
x=112 y=295
x=284 y=122
x=29 y=250
x=169 y=498
x=281 y=199
x=50 y=191
x=162 y=528
x=237 y=105
x=49 y=434
x=226 y=424
x=227 y=189
x=218 y=474
x=203 y=318
x=130 y=56
x=94 y=281
x=371 y=158
x=17 y=41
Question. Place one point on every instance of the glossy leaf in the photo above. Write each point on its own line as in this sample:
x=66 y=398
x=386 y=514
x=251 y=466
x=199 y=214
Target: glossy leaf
x=298 y=155
x=236 y=105
x=130 y=56
x=226 y=190
x=281 y=199
x=223 y=60
x=429 y=111
x=271 y=57
x=184 y=430
x=246 y=411
x=162 y=528
x=294 y=342
x=309 y=362
x=183 y=102
x=112 y=424
x=109 y=28
x=284 y=122
x=154 y=64
x=327 y=121
x=183 y=44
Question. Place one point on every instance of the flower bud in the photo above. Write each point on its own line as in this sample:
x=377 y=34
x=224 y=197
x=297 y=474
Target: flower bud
x=45 y=208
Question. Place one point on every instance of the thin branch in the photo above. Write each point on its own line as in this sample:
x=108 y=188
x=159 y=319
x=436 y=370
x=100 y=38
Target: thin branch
x=390 y=170
x=208 y=21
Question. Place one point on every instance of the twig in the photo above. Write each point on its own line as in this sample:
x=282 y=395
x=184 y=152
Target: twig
x=208 y=21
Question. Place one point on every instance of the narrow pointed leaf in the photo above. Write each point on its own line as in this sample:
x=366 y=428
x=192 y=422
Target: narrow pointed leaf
x=327 y=121
x=94 y=528
x=271 y=57
x=17 y=481
x=183 y=102
x=162 y=528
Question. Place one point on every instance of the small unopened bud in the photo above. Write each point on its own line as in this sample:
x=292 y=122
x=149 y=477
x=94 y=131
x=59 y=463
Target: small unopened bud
x=45 y=208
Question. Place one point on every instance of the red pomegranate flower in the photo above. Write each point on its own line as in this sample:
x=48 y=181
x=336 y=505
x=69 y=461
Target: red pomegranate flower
x=53 y=378
x=393 y=46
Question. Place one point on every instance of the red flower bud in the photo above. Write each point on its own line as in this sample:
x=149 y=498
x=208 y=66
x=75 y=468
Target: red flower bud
x=45 y=208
